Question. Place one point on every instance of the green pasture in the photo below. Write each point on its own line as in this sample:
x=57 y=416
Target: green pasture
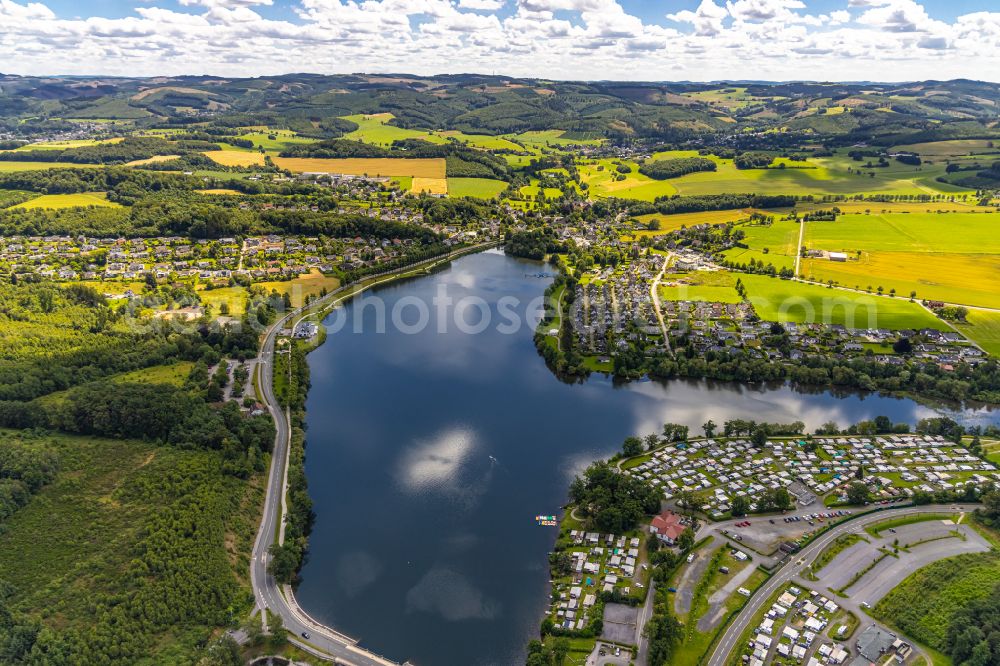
x=789 y=301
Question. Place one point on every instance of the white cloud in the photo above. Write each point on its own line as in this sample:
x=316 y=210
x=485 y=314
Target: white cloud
x=570 y=39
x=486 y=5
x=707 y=18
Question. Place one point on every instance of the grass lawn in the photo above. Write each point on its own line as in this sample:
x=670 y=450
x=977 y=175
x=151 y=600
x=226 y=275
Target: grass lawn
x=69 y=201
x=983 y=328
x=481 y=188
x=790 y=301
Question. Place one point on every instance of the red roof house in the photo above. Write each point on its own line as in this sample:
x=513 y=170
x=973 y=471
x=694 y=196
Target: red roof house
x=667 y=527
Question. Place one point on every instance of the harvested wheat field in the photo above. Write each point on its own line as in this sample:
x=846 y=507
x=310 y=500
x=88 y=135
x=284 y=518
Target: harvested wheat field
x=418 y=168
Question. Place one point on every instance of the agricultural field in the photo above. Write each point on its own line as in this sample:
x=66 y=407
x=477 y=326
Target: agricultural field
x=961 y=205
x=417 y=168
x=236 y=157
x=68 y=201
x=817 y=176
x=532 y=192
x=707 y=286
x=63 y=145
x=953 y=278
x=10 y=167
x=481 y=141
x=952 y=257
x=481 y=188
x=271 y=139
x=776 y=244
x=676 y=221
x=727 y=98
x=221 y=190
x=983 y=328
x=599 y=177
x=429 y=185
x=954 y=148
x=156 y=159
x=549 y=139
x=922 y=605
x=914 y=232
x=375 y=129
x=775 y=299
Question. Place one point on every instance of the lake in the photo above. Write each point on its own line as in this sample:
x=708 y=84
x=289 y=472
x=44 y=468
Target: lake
x=432 y=445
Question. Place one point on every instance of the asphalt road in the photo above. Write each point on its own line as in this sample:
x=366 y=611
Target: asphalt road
x=273 y=599
x=793 y=567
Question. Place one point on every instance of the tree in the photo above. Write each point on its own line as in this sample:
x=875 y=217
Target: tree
x=709 y=427
x=902 y=346
x=652 y=441
x=686 y=540
x=858 y=493
x=632 y=446
x=740 y=506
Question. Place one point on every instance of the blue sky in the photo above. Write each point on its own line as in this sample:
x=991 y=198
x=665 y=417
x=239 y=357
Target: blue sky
x=649 y=11
x=882 y=40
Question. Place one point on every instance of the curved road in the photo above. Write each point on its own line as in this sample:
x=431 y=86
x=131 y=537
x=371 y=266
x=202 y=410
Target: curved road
x=794 y=566
x=279 y=600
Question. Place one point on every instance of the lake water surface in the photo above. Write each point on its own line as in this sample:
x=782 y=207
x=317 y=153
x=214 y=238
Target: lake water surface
x=425 y=548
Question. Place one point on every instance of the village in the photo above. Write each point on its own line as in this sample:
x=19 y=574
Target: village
x=221 y=261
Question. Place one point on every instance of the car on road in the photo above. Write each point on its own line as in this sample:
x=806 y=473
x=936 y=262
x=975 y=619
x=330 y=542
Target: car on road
x=305 y=635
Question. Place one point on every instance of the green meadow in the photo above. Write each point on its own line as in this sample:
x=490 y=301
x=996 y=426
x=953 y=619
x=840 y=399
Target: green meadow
x=707 y=286
x=780 y=300
x=983 y=328
x=376 y=129
x=907 y=232
x=68 y=201
x=482 y=188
